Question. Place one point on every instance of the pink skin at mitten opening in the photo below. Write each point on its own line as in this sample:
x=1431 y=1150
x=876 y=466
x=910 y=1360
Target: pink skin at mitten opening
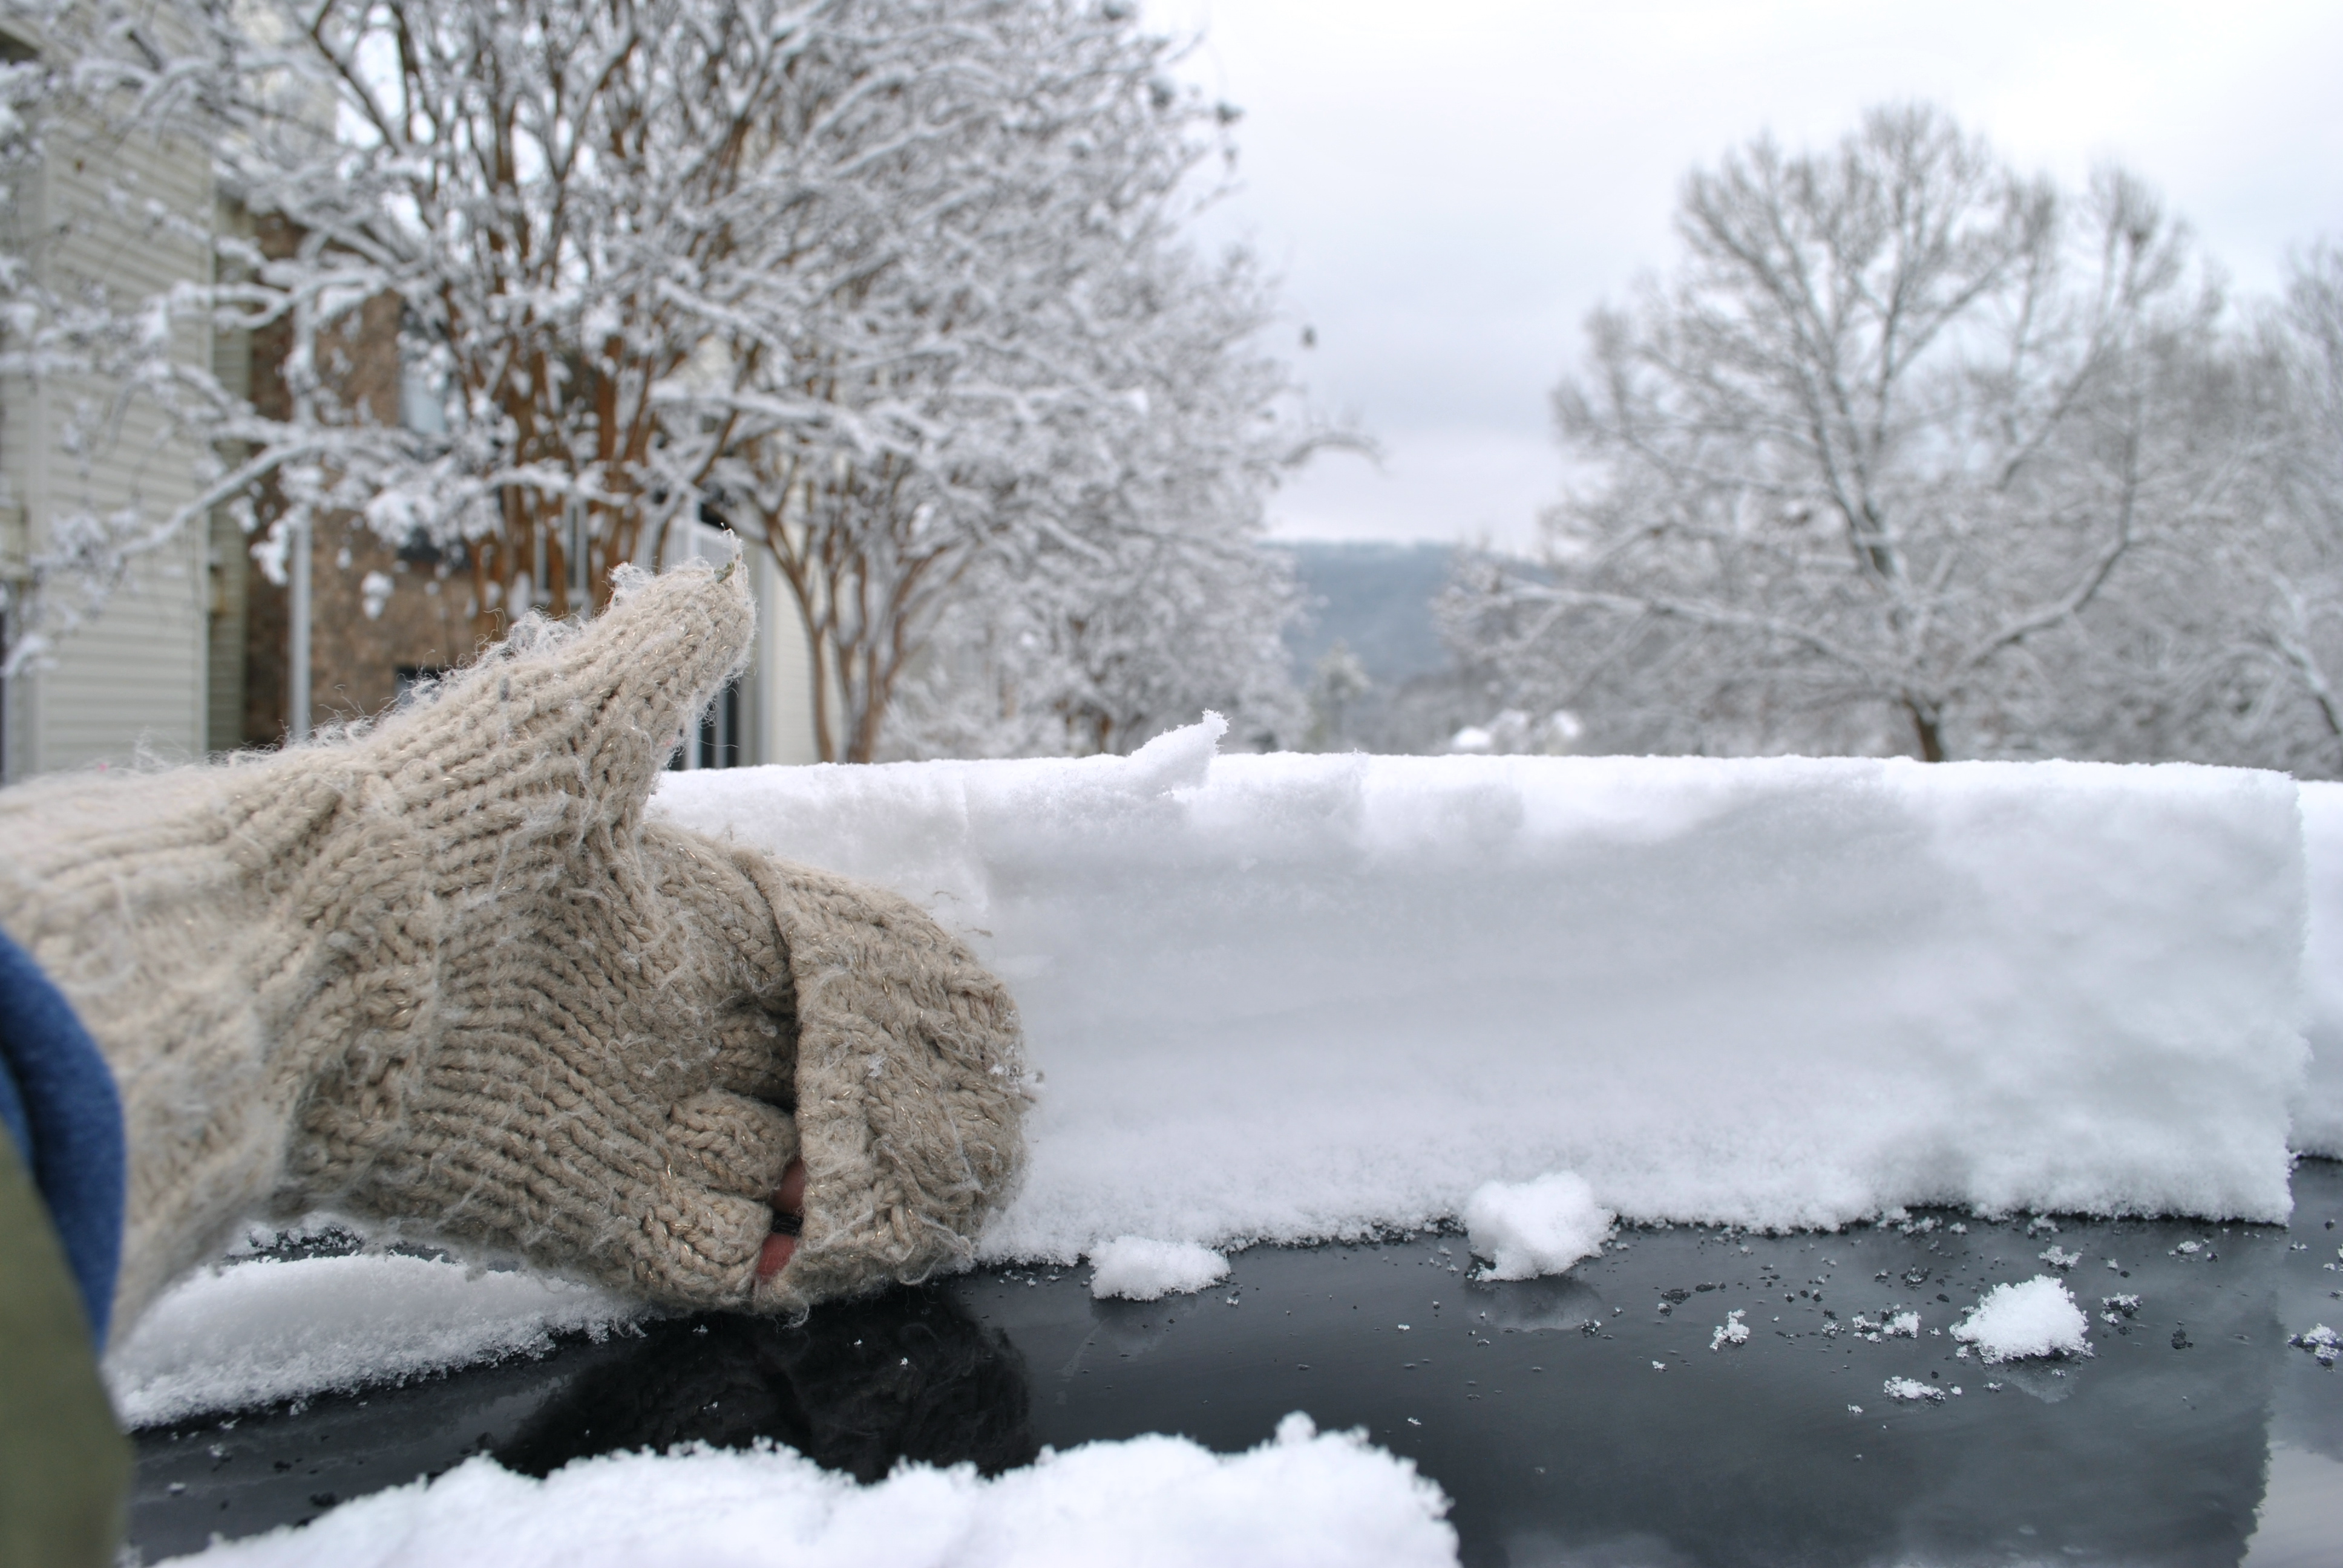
x=788 y=1199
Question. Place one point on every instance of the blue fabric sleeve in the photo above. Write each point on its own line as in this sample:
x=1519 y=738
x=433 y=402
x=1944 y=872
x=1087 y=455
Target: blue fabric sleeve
x=59 y=1104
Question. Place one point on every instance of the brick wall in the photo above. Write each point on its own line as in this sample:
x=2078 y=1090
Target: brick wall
x=360 y=642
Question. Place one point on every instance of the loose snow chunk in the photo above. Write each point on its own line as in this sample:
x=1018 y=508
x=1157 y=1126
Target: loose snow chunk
x=1731 y=1331
x=1302 y=1499
x=255 y=1333
x=1912 y=1391
x=1139 y=1270
x=2058 y=1259
x=2037 y=1317
x=1539 y=1227
x=2321 y=1341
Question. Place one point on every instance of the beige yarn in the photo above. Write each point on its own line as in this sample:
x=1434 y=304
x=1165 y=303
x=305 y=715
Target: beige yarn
x=444 y=972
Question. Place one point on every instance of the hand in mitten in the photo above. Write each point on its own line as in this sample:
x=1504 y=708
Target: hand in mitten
x=445 y=972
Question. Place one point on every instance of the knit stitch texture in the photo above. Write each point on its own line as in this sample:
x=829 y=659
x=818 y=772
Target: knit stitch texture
x=441 y=971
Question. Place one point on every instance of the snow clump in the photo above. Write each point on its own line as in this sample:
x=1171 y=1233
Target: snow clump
x=1731 y=1331
x=253 y=1333
x=2321 y=1341
x=1139 y=1270
x=1533 y=1228
x=1302 y=1498
x=2037 y=1317
x=1912 y=1391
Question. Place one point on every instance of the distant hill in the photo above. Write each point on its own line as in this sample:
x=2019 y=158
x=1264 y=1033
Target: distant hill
x=1376 y=597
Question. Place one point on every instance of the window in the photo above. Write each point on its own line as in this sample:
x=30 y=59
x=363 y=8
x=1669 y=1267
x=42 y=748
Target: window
x=717 y=742
x=410 y=679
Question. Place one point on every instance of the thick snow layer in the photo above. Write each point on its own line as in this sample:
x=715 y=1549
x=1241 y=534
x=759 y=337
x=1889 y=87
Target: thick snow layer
x=1139 y=1270
x=2035 y=1317
x=253 y=1333
x=1293 y=997
x=1303 y=1498
x=1534 y=1228
x=2318 y=1105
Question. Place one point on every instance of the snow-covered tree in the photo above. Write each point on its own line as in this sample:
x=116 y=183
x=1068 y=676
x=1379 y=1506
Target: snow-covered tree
x=1871 y=461
x=1134 y=593
x=1015 y=381
x=2241 y=620
x=868 y=280
x=1337 y=683
x=87 y=358
x=2306 y=577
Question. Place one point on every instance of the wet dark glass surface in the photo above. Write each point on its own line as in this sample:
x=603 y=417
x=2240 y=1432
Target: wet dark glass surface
x=1572 y=1420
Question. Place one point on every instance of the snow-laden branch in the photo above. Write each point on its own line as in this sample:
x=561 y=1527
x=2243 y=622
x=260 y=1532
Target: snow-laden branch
x=1914 y=453
x=894 y=289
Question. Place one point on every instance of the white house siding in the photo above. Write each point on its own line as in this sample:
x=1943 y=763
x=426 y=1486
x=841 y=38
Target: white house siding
x=776 y=689
x=133 y=681
x=782 y=684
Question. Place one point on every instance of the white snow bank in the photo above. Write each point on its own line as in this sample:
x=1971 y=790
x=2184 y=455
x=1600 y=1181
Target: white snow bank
x=2035 y=1317
x=1139 y=1270
x=1294 y=997
x=250 y=1333
x=2318 y=1103
x=1303 y=1498
x=1534 y=1228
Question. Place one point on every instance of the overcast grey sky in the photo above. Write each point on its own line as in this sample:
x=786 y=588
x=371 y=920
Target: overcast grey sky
x=1446 y=190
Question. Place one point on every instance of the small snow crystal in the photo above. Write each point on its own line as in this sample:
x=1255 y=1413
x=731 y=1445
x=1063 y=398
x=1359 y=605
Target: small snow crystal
x=1911 y=1390
x=1893 y=1325
x=2036 y=1318
x=1539 y=1227
x=1139 y=1270
x=2058 y=1259
x=1731 y=1331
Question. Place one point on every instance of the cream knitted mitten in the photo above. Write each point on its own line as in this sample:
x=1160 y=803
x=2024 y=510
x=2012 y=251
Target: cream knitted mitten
x=444 y=972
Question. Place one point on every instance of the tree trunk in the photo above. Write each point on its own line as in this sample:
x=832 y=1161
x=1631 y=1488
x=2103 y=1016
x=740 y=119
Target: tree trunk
x=1929 y=728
